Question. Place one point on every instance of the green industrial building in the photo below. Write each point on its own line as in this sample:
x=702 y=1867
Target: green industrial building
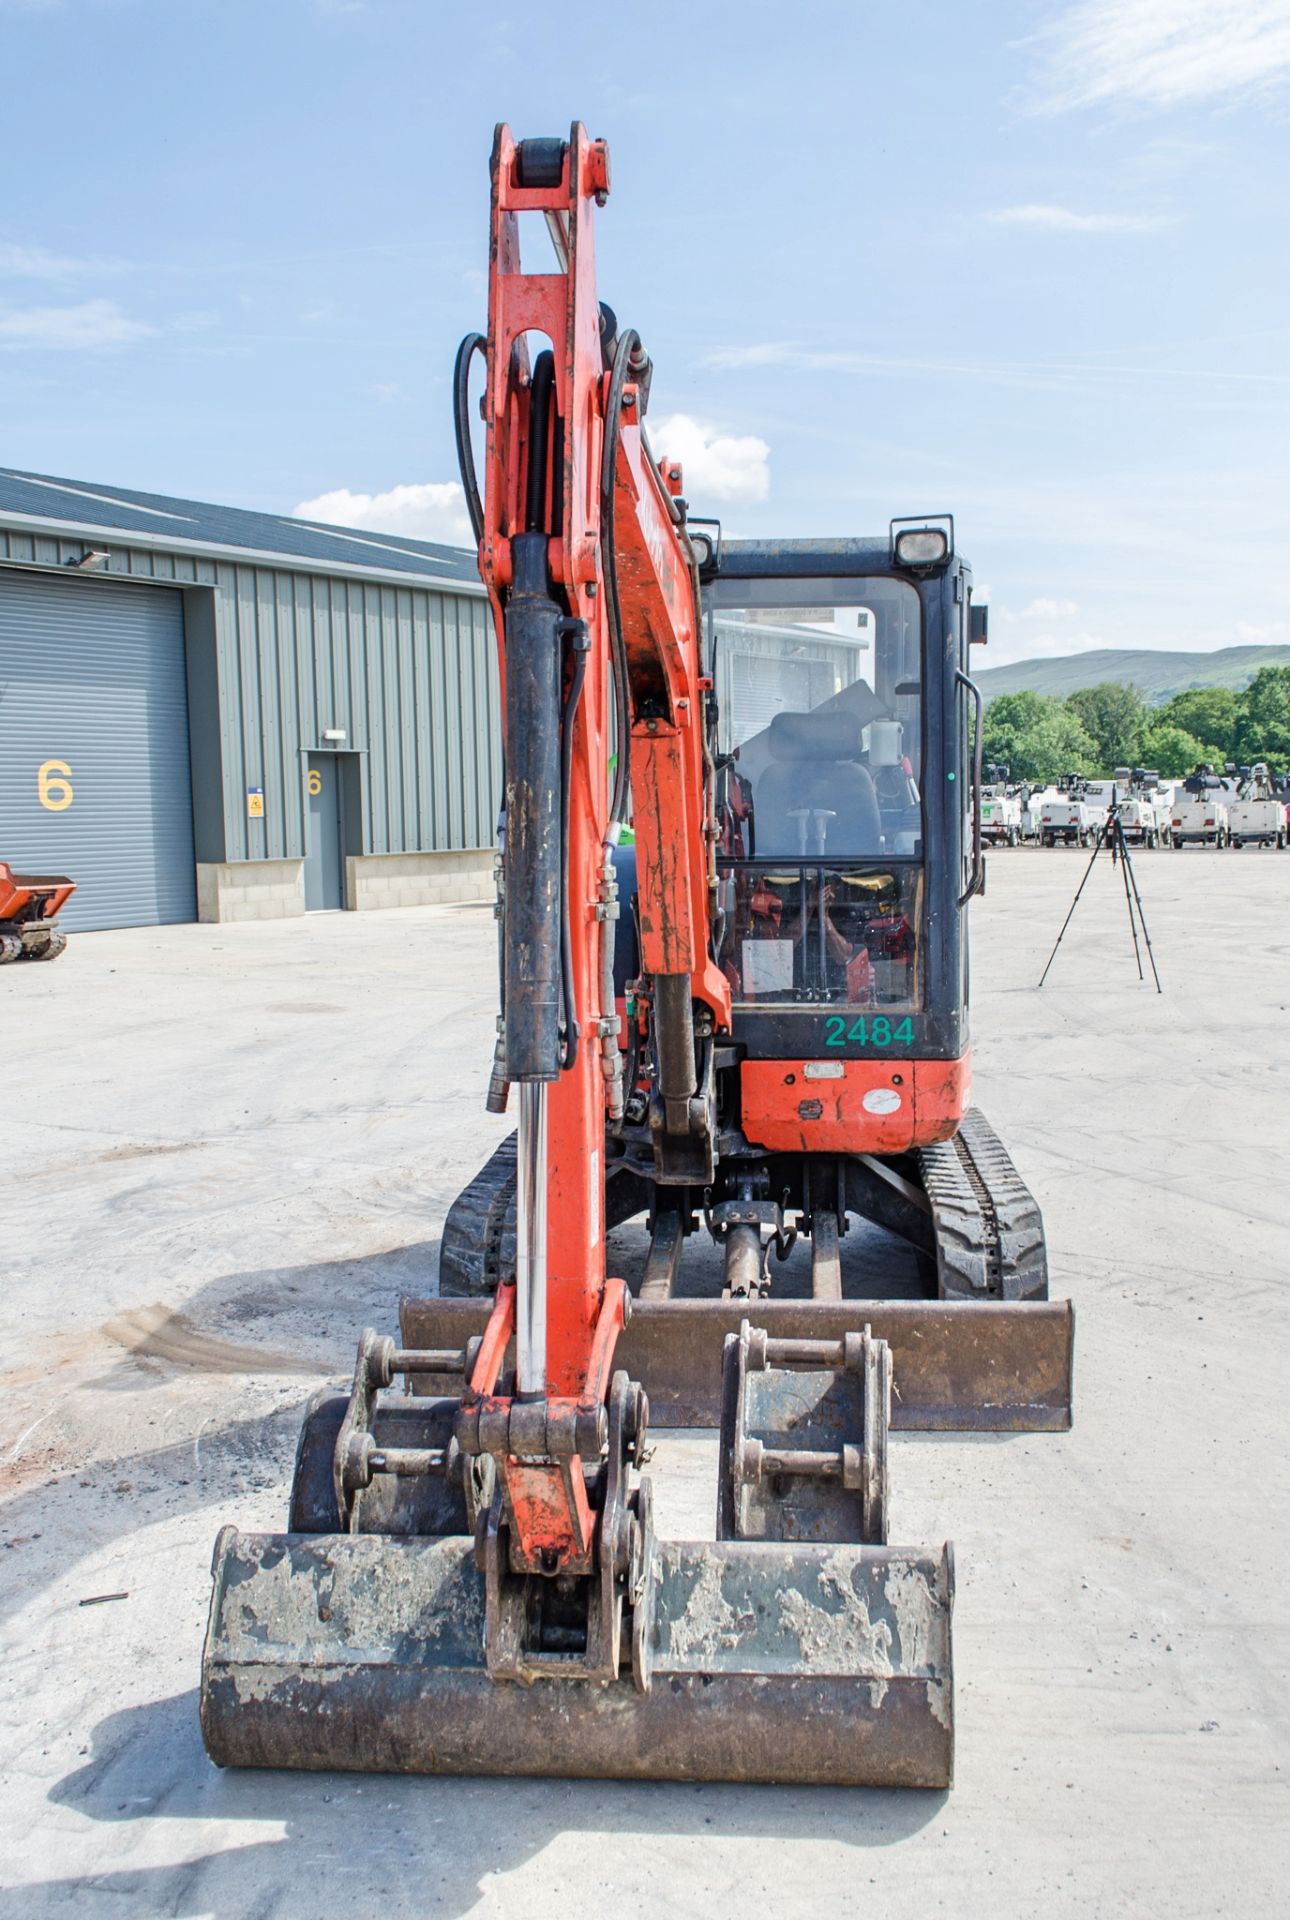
x=207 y=713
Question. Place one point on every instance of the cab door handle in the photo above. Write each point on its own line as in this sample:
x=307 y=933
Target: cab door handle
x=977 y=883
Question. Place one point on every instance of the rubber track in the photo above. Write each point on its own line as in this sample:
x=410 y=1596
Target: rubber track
x=989 y=1231
x=478 y=1245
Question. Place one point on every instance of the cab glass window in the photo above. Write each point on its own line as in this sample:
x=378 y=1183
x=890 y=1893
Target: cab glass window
x=821 y=721
x=819 y=687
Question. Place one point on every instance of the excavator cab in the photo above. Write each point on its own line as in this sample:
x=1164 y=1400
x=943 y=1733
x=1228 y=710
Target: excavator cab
x=845 y=743
x=752 y=1028
x=818 y=684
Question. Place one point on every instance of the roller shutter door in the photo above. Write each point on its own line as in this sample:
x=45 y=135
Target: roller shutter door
x=94 y=773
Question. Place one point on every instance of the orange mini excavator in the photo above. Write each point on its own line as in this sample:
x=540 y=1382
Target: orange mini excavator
x=749 y=1025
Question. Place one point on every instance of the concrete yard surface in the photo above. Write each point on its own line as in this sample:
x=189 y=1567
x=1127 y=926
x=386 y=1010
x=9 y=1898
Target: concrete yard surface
x=227 y=1149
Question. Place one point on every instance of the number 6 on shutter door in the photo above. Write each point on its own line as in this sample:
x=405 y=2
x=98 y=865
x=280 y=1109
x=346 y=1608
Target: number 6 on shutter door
x=54 y=785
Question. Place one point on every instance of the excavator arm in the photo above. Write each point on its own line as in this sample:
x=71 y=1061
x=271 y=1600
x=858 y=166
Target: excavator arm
x=594 y=590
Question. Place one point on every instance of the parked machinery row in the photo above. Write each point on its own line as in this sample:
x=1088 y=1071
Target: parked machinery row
x=1240 y=806
x=1234 y=807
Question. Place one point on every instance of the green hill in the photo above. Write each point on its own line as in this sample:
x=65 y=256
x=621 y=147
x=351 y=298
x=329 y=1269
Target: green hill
x=1157 y=676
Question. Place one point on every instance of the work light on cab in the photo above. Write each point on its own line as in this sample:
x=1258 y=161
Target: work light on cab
x=922 y=546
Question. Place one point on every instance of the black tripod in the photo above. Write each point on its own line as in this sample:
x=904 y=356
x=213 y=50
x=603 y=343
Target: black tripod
x=1111 y=834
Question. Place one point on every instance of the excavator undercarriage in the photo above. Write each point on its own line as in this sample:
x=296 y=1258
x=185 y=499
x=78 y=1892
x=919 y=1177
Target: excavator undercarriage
x=960 y=1206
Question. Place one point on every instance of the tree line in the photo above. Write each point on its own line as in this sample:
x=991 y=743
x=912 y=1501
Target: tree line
x=1040 y=737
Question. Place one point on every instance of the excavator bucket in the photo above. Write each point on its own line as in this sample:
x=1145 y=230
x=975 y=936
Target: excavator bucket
x=797 y=1647
x=807 y=1664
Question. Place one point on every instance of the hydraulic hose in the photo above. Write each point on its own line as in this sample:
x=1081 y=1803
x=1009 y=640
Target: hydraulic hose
x=498 y=1085
x=627 y=348
x=633 y=1067
x=546 y=461
x=473 y=343
x=541 y=396
x=571 y=705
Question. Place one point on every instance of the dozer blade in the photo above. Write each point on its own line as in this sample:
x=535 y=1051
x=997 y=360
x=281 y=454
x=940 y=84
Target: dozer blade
x=771 y=1662
x=1001 y=1367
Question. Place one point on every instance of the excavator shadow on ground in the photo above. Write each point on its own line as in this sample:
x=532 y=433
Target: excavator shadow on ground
x=445 y=1835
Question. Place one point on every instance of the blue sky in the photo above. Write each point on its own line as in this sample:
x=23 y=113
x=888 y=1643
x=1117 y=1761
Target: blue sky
x=1027 y=262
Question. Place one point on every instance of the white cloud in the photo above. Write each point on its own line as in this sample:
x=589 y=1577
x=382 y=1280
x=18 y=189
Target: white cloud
x=1248 y=632
x=197 y=320
x=1040 y=610
x=1040 y=374
x=1066 y=220
x=716 y=466
x=429 y=510
x=762 y=353
x=95 y=323
x=1162 y=53
x=20 y=262
x=1068 y=642
x=1013 y=635
x=1041 y=646
x=801 y=358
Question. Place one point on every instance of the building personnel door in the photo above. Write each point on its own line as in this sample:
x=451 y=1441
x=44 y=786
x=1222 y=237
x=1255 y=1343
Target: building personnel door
x=324 y=874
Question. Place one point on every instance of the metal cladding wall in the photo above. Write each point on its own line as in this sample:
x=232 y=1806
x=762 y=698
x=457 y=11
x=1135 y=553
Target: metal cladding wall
x=279 y=656
x=94 y=779
x=409 y=675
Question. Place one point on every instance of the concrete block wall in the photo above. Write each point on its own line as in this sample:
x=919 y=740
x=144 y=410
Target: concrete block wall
x=375 y=880
x=250 y=889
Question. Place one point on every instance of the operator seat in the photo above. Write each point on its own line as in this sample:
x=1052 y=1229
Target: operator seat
x=815 y=764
